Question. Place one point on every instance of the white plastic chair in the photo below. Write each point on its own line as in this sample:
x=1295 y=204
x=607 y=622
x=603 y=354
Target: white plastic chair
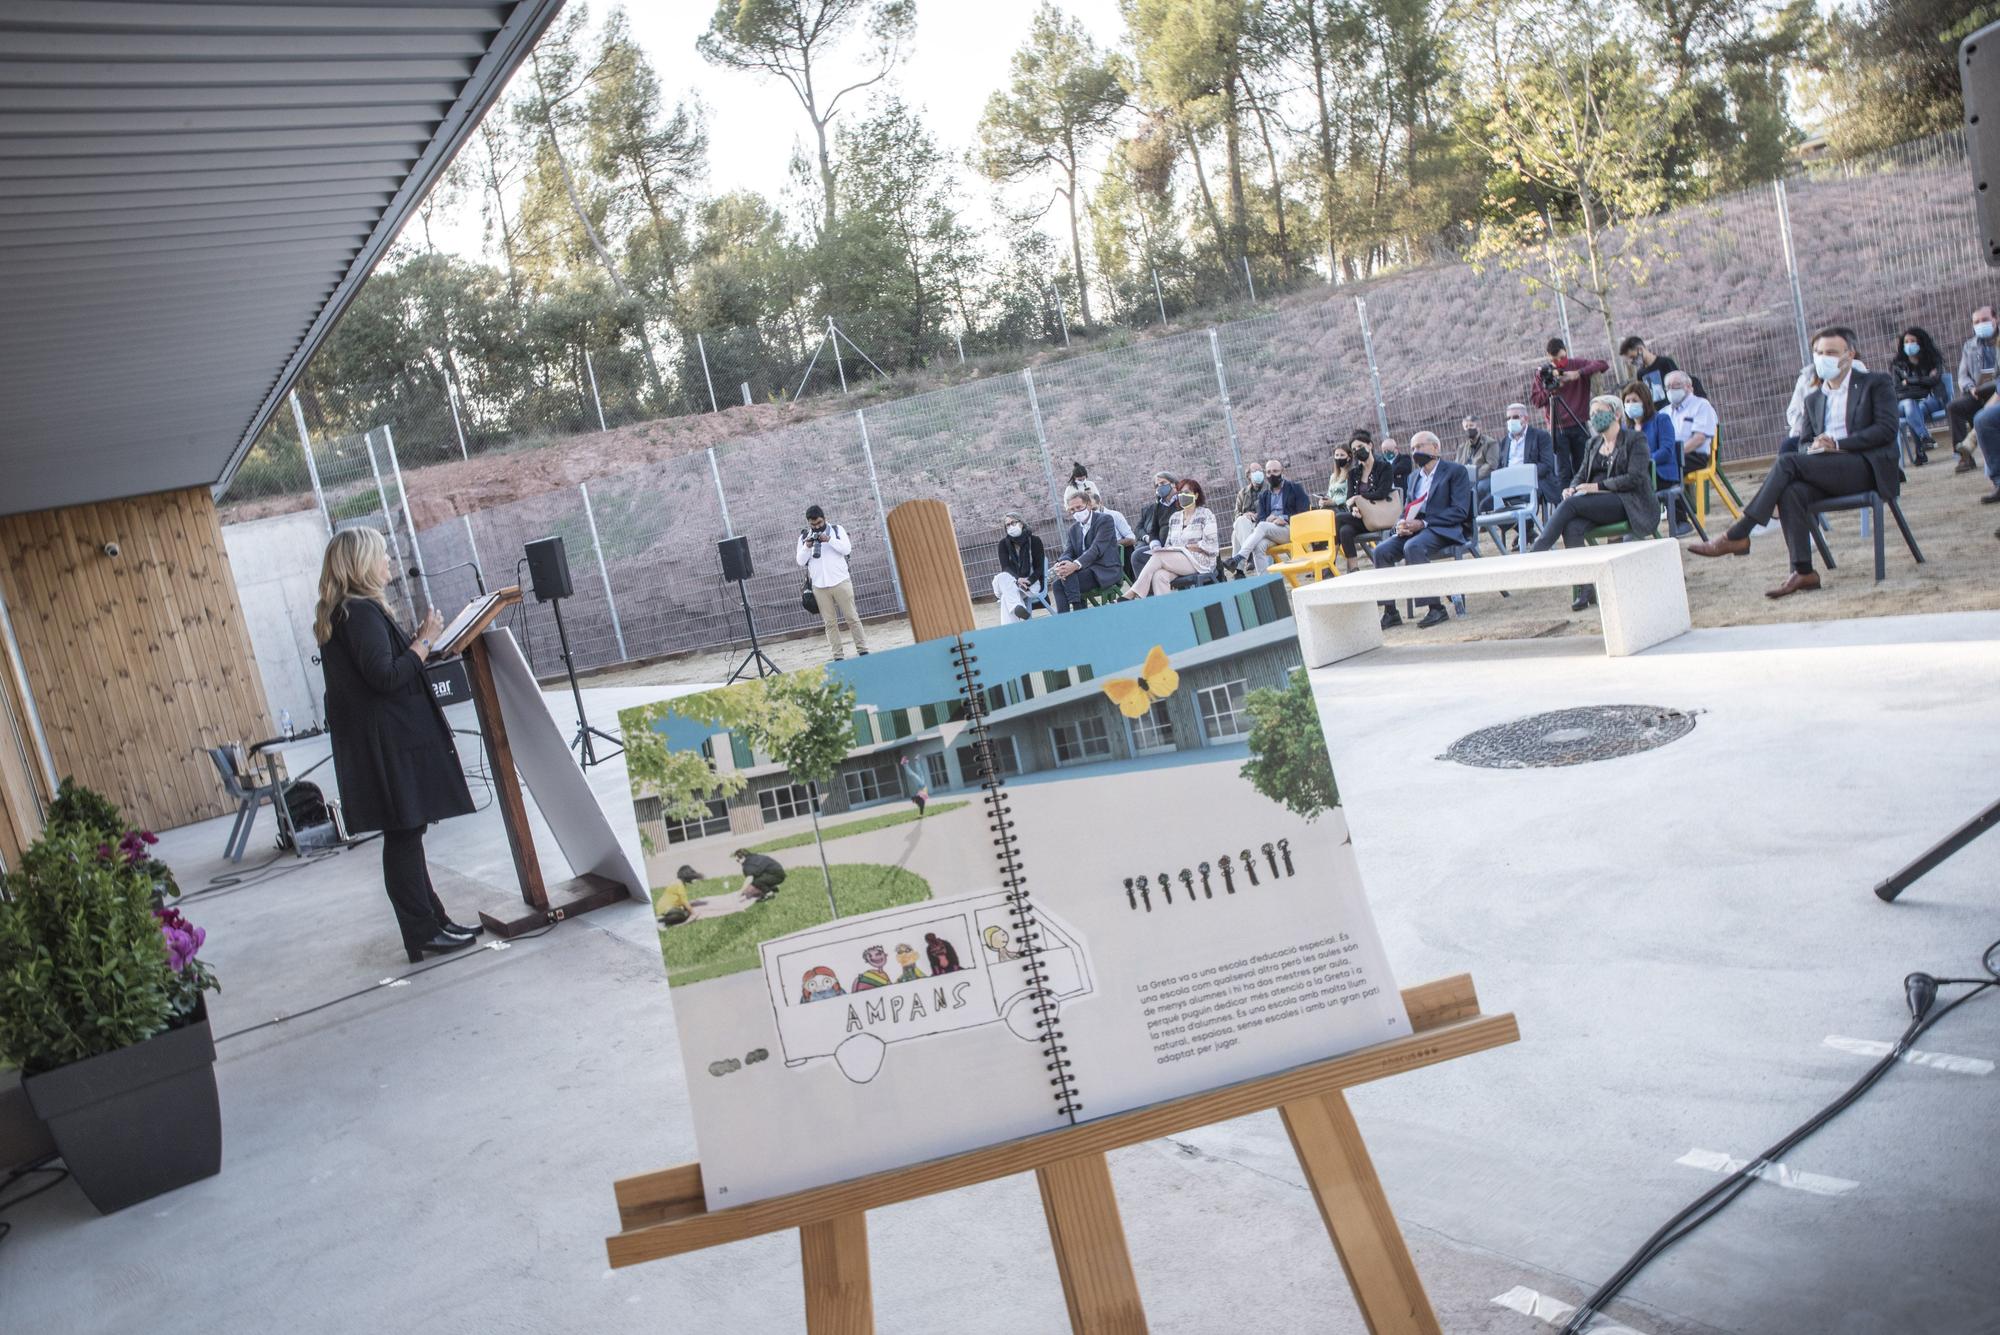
x=1514 y=496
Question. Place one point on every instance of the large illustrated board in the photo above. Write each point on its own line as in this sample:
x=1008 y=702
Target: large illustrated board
x=1047 y=873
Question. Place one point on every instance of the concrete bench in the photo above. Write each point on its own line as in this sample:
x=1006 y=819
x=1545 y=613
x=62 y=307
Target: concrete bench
x=1641 y=594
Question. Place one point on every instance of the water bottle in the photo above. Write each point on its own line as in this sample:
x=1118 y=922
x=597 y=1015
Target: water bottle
x=285 y=723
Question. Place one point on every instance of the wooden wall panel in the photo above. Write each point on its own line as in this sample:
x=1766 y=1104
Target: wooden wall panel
x=136 y=661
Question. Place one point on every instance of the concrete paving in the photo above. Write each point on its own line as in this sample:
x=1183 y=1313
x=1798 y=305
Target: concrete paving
x=1680 y=933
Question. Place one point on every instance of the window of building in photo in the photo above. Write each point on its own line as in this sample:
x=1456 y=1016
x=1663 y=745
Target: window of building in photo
x=785 y=801
x=1222 y=713
x=740 y=749
x=1085 y=739
x=1210 y=623
x=937 y=772
x=1005 y=761
x=1000 y=696
x=716 y=821
x=894 y=723
x=1154 y=731
x=1263 y=605
x=944 y=711
x=864 y=728
x=868 y=785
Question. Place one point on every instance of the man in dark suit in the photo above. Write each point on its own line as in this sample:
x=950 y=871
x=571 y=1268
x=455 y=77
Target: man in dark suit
x=1437 y=516
x=1526 y=443
x=1276 y=504
x=1850 y=422
x=1089 y=553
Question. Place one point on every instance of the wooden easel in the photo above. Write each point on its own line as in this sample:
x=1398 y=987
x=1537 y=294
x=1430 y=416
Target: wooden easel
x=665 y=1214
x=585 y=892
x=662 y=1214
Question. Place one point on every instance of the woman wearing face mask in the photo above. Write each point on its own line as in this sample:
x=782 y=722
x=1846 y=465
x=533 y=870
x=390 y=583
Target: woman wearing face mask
x=1336 y=483
x=1371 y=483
x=1919 y=371
x=1614 y=482
x=1191 y=544
x=1658 y=430
x=1021 y=570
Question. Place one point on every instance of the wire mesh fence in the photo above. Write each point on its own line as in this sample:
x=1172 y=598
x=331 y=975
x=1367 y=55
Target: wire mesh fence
x=1729 y=288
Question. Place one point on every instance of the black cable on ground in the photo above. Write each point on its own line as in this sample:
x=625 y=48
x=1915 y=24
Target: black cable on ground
x=1711 y=1202
x=40 y=1165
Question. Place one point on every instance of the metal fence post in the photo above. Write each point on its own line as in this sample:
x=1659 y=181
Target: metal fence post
x=838 y=365
x=388 y=518
x=1248 y=280
x=960 y=336
x=1792 y=269
x=1549 y=259
x=1059 y=313
x=881 y=514
x=472 y=545
x=603 y=571
x=403 y=494
x=702 y=348
x=1374 y=373
x=591 y=371
x=1228 y=415
x=722 y=500
x=1042 y=439
x=312 y=468
x=1156 y=294
x=451 y=397
x=746 y=394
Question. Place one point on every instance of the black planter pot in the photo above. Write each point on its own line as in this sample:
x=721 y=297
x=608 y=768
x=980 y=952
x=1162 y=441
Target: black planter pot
x=137 y=1122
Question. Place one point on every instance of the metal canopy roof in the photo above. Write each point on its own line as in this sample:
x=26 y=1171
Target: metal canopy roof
x=190 y=194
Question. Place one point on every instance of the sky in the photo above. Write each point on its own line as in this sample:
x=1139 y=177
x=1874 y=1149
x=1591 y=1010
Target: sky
x=958 y=56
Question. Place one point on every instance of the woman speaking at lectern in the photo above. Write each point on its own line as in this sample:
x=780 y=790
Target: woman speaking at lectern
x=393 y=756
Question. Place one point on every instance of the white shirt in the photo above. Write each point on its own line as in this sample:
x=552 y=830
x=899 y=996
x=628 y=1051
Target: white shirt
x=1420 y=488
x=1690 y=416
x=830 y=566
x=1517 y=450
x=1835 y=424
x=1119 y=527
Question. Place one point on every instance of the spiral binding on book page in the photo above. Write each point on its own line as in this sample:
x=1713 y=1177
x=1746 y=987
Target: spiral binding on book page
x=1027 y=933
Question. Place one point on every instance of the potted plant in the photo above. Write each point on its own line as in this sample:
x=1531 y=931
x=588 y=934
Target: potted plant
x=101 y=1007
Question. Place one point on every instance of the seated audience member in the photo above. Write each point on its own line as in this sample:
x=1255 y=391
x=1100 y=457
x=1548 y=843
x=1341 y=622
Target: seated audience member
x=1436 y=517
x=1527 y=443
x=1370 y=480
x=1653 y=368
x=1246 y=513
x=1694 y=422
x=1336 y=482
x=1613 y=483
x=1808 y=381
x=1478 y=454
x=1851 y=424
x=1190 y=545
x=1089 y=553
x=1020 y=577
x=1282 y=499
x=1919 y=371
x=1153 y=517
x=1973 y=409
x=1657 y=428
x=1398 y=461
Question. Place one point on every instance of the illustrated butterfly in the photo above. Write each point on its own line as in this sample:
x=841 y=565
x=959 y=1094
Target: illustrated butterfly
x=1156 y=682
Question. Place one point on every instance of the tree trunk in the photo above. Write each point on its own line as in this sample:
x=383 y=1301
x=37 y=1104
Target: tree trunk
x=1075 y=232
x=832 y=908
x=1277 y=190
x=1232 y=143
x=825 y=157
x=1207 y=199
x=1325 y=145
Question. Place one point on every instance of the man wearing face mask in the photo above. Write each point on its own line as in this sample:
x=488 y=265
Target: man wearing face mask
x=1694 y=422
x=1437 y=516
x=1089 y=553
x=1850 y=423
x=1398 y=464
x=823 y=552
x=1808 y=381
x=1020 y=577
x=1154 y=517
x=1478 y=454
x=1562 y=387
x=1526 y=443
x=1974 y=410
x=1282 y=498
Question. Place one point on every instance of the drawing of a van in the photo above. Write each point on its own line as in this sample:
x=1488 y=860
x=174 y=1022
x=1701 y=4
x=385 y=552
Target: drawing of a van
x=849 y=988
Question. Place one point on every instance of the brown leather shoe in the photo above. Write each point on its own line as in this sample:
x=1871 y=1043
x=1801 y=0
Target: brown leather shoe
x=1721 y=545
x=1965 y=464
x=1794 y=583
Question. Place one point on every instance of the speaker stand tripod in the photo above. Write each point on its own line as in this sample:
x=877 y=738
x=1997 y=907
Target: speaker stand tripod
x=587 y=756
x=756 y=657
x=1937 y=853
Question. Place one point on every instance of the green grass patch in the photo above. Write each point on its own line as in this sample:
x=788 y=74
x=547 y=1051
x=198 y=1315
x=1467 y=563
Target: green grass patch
x=863 y=826
x=712 y=947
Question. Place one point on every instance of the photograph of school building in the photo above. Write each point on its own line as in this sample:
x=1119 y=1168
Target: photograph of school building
x=1224 y=641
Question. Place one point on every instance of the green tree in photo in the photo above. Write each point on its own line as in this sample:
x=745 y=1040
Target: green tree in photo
x=1288 y=761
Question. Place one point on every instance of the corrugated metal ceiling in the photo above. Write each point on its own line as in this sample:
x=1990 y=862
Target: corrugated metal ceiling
x=189 y=196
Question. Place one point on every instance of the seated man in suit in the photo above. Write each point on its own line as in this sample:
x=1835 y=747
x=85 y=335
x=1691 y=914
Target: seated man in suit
x=1089 y=553
x=1282 y=498
x=1850 y=447
x=1436 y=518
x=1526 y=443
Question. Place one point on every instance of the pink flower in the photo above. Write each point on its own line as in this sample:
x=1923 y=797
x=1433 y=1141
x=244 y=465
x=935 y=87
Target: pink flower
x=183 y=938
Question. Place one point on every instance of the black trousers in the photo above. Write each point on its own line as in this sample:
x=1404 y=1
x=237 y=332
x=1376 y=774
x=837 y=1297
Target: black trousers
x=1797 y=481
x=408 y=880
x=1571 y=443
x=1960 y=412
x=1346 y=528
x=1577 y=515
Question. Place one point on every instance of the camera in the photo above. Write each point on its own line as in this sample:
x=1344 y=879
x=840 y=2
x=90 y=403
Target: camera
x=111 y=549
x=1548 y=376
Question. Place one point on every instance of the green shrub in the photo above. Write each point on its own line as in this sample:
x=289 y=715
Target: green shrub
x=84 y=969
x=88 y=809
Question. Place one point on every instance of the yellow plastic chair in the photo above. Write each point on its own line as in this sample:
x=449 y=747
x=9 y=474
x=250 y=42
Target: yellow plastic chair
x=1699 y=483
x=1310 y=550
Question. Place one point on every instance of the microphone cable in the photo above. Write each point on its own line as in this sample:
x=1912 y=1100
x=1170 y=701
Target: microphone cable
x=1921 y=992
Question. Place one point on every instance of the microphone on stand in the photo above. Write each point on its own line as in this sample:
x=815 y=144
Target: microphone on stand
x=478 y=576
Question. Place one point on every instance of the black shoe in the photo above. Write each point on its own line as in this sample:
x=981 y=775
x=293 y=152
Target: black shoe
x=1923 y=457
x=454 y=929
x=863 y=653
x=1391 y=617
x=1437 y=616
x=1991 y=497
x=441 y=944
x=1021 y=612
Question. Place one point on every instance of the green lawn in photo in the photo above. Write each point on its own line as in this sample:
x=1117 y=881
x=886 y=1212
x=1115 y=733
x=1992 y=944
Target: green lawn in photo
x=863 y=826
x=711 y=947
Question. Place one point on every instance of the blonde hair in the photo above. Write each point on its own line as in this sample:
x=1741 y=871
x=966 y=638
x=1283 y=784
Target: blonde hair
x=348 y=571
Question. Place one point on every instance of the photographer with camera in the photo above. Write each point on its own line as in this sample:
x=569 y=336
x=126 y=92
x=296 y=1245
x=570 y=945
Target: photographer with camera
x=1562 y=389
x=823 y=550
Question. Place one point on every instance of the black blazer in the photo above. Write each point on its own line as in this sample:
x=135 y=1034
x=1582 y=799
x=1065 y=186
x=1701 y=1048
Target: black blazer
x=393 y=757
x=1022 y=557
x=1871 y=426
x=1628 y=475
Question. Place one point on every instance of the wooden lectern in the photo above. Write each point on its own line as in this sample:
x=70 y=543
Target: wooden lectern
x=579 y=894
